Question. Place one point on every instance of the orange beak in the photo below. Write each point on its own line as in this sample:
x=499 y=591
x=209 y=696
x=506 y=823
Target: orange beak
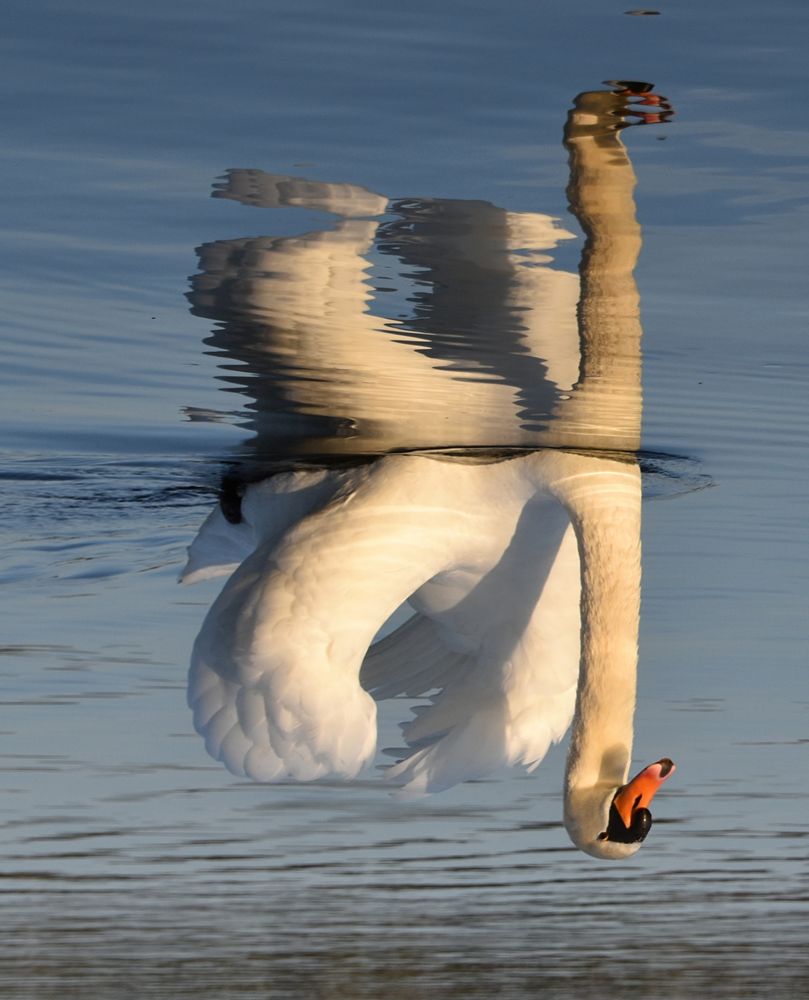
x=639 y=792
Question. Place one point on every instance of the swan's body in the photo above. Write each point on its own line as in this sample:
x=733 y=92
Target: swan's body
x=496 y=560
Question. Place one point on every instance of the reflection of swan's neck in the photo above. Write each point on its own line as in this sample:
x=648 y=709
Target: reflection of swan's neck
x=605 y=510
x=605 y=411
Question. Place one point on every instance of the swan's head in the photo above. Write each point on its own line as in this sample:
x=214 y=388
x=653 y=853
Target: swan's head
x=610 y=822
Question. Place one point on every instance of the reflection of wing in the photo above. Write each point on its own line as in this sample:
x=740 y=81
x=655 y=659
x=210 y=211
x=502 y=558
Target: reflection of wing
x=255 y=187
x=486 y=344
x=492 y=571
x=296 y=313
x=486 y=300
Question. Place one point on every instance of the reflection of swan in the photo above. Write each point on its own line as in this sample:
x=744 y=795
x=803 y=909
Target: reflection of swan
x=524 y=575
x=491 y=346
x=488 y=557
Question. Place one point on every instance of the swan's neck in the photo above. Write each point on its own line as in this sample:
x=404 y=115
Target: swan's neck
x=605 y=510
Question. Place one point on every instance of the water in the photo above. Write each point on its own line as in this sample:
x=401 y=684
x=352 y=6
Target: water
x=132 y=862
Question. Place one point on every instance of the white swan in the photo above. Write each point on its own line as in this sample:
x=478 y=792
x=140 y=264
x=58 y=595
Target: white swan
x=497 y=559
x=524 y=575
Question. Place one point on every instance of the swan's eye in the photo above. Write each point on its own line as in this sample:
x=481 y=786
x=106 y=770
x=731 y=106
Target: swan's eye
x=635 y=833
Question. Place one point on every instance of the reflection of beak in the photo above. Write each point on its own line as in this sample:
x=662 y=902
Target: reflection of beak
x=639 y=792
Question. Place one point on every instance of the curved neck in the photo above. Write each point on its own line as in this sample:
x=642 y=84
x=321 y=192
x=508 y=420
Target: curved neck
x=605 y=508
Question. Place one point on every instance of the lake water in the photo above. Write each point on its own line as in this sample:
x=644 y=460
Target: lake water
x=152 y=341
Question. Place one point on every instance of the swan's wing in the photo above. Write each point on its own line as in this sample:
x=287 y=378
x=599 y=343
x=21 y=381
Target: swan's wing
x=269 y=508
x=411 y=661
x=274 y=678
x=513 y=695
x=460 y=732
x=266 y=694
x=218 y=548
x=474 y=726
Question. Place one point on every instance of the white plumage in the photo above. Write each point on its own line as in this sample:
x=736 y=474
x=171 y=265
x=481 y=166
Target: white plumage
x=523 y=574
x=489 y=566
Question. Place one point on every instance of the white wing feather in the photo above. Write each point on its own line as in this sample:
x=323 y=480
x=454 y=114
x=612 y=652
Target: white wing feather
x=269 y=509
x=275 y=675
x=274 y=678
x=218 y=548
x=410 y=661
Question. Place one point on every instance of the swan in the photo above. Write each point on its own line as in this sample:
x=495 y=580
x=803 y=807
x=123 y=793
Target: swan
x=522 y=574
